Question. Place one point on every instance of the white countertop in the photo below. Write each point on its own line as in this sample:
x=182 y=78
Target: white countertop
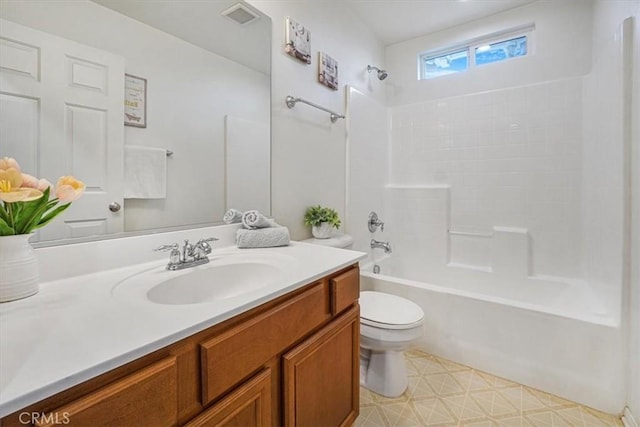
x=74 y=329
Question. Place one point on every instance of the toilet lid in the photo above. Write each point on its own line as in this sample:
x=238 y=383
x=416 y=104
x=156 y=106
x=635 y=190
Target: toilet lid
x=389 y=311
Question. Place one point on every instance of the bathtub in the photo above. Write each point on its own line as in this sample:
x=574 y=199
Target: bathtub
x=554 y=336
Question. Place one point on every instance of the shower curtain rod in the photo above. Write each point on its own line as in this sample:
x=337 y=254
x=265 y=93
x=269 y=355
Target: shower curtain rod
x=291 y=102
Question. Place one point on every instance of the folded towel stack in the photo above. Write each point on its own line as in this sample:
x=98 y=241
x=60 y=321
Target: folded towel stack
x=232 y=216
x=263 y=237
x=258 y=231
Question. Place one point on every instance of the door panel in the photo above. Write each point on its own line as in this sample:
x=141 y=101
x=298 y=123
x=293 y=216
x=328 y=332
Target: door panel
x=77 y=128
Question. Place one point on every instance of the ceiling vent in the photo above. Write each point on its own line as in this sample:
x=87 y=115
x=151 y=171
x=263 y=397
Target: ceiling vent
x=240 y=14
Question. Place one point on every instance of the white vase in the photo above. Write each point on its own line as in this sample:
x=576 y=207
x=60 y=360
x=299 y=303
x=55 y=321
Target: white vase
x=322 y=231
x=18 y=268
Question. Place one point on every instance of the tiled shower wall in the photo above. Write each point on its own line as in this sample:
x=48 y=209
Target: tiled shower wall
x=512 y=158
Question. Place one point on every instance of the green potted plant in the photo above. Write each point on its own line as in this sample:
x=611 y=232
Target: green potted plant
x=322 y=220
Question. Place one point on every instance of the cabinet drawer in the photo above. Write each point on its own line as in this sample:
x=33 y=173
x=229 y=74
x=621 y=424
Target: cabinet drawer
x=147 y=397
x=230 y=357
x=345 y=290
x=249 y=405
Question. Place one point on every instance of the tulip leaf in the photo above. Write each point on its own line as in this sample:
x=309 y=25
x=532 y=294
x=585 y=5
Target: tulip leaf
x=4 y=215
x=30 y=213
x=5 y=230
x=50 y=216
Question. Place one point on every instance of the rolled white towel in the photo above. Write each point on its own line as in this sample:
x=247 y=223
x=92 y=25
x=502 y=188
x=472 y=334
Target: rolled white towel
x=254 y=219
x=262 y=238
x=232 y=216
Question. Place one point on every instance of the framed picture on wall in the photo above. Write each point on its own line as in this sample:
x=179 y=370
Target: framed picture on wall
x=297 y=41
x=135 y=101
x=327 y=71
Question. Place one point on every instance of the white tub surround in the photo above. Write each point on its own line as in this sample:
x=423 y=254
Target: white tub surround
x=548 y=335
x=75 y=329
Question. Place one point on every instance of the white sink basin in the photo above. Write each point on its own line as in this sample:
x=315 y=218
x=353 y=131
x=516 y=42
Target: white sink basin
x=226 y=276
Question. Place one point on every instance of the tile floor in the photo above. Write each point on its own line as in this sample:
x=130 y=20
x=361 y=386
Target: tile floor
x=443 y=393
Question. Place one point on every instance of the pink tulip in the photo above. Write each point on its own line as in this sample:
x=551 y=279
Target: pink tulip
x=30 y=181
x=9 y=162
x=69 y=189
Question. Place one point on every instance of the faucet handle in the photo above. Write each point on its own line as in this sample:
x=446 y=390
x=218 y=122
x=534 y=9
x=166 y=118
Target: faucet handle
x=166 y=247
x=208 y=239
x=203 y=248
x=374 y=222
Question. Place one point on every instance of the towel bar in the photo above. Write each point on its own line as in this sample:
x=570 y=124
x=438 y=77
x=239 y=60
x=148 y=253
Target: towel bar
x=291 y=102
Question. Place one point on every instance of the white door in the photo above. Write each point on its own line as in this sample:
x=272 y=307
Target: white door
x=61 y=109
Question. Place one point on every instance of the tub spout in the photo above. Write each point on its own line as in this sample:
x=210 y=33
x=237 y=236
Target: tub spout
x=384 y=245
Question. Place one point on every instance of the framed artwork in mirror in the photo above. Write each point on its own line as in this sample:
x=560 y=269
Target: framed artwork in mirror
x=297 y=41
x=327 y=71
x=135 y=101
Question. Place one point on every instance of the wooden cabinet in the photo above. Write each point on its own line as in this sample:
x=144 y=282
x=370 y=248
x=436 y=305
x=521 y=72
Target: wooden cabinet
x=247 y=406
x=321 y=383
x=228 y=358
x=146 y=397
x=291 y=361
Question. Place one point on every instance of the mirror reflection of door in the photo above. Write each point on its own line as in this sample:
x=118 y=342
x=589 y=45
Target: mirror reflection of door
x=61 y=114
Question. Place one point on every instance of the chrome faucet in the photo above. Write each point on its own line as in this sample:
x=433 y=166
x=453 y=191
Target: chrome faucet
x=384 y=245
x=190 y=255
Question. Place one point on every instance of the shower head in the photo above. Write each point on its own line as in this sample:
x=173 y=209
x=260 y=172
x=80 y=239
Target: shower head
x=382 y=74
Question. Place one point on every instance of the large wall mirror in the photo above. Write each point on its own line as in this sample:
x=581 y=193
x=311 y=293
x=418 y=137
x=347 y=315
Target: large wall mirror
x=199 y=90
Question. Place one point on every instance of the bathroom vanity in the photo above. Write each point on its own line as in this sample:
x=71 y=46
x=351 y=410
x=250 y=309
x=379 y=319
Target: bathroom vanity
x=288 y=357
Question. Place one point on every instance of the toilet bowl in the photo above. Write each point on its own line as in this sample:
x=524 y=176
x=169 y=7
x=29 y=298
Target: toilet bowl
x=389 y=324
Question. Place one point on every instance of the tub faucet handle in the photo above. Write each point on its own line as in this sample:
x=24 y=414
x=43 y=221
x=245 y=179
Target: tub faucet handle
x=374 y=222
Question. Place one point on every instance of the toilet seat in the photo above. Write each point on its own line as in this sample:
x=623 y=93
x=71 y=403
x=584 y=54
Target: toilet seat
x=388 y=311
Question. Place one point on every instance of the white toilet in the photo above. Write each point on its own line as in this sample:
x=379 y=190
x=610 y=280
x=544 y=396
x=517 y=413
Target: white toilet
x=389 y=324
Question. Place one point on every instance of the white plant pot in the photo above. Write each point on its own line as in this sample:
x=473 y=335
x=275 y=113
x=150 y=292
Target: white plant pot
x=18 y=268
x=322 y=231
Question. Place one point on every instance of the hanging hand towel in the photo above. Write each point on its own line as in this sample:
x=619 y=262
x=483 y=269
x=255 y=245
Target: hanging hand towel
x=145 y=172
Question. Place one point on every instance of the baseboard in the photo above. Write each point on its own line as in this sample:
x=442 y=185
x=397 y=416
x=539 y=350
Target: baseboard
x=627 y=418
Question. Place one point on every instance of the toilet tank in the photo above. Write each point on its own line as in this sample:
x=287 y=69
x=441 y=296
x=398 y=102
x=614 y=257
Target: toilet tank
x=342 y=241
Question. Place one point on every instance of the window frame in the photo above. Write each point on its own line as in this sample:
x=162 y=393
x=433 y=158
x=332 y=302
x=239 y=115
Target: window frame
x=471 y=45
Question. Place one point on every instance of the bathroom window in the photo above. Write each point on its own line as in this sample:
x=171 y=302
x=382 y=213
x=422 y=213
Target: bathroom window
x=475 y=53
x=446 y=63
x=500 y=51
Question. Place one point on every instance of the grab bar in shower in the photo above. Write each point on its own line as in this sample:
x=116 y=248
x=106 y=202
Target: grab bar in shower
x=291 y=102
x=469 y=233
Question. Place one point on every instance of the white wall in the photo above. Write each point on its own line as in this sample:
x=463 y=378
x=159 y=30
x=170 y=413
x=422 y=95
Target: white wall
x=561 y=49
x=308 y=152
x=512 y=159
x=506 y=137
x=633 y=397
x=604 y=191
x=367 y=167
x=606 y=121
x=190 y=90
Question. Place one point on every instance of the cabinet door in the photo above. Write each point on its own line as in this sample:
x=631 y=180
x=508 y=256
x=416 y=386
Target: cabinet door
x=247 y=406
x=321 y=383
x=147 y=397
